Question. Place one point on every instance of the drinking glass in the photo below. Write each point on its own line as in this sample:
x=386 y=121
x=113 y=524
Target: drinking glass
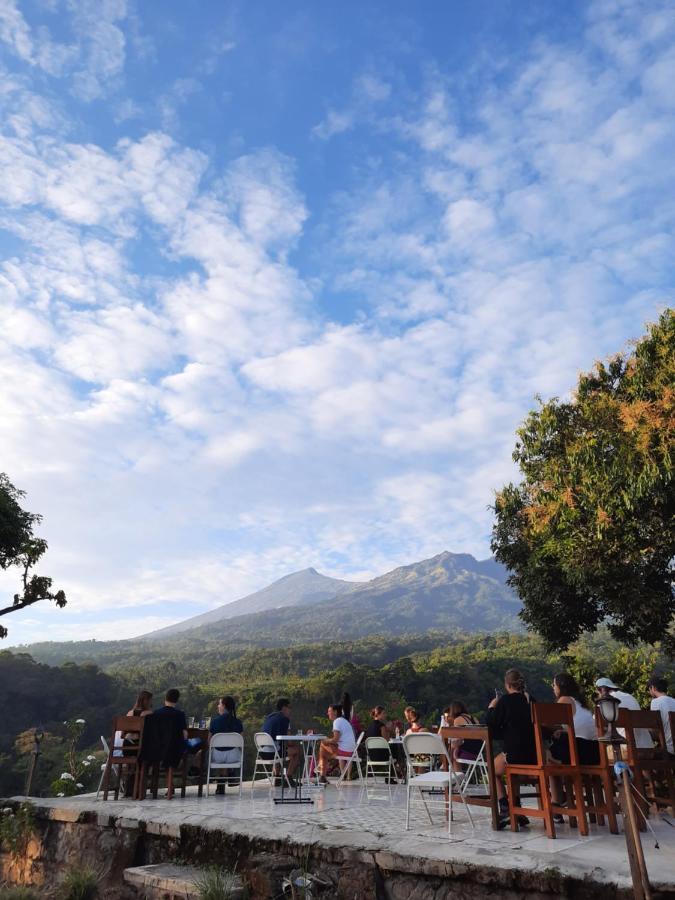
x=191 y=721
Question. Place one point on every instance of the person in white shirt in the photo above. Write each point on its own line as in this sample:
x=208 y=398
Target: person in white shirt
x=607 y=687
x=662 y=703
x=340 y=745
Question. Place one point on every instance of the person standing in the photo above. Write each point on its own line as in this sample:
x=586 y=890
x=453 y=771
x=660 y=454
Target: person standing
x=663 y=704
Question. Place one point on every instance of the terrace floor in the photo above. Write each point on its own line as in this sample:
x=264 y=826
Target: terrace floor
x=373 y=821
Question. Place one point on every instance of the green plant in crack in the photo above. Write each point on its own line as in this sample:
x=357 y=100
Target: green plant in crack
x=16 y=827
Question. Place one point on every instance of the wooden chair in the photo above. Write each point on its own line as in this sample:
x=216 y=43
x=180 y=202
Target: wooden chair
x=599 y=801
x=163 y=748
x=648 y=764
x=123 y=756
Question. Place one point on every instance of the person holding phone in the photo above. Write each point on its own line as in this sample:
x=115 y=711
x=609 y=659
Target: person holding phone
x=510 y=718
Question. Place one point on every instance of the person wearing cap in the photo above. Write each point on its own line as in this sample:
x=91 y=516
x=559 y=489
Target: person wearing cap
x=607 y=688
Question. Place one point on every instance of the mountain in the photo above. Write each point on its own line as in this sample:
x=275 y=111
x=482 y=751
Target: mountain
x=298 y=589
x=451 y=591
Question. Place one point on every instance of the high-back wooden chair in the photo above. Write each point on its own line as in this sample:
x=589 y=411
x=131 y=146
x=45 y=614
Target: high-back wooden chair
x=648 y=764
x=163 y=748
x=124 y=756
x=599 y=802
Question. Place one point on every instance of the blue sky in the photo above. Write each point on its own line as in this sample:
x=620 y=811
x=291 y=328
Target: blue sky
x=279 y=281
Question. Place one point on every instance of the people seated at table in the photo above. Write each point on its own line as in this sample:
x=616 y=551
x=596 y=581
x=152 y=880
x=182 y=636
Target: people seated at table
x=340 y=745
x=378 y=728
x=607 y=688
x=226 y=722
x=277 y=723
x=467 y=749
x=510 y=718
x=663 y=704
x=413 y=720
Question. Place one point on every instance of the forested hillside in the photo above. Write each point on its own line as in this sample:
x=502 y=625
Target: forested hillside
x=426 y=670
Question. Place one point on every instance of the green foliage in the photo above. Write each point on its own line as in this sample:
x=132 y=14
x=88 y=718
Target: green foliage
x=33 y=695
x=19 y=547
x=16 y=827
x=589 y=534
x=81 y=768
x=214 y=883
x=18 y=893
x=80 y=883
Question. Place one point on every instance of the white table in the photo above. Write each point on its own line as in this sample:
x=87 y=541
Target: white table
x=309 y=741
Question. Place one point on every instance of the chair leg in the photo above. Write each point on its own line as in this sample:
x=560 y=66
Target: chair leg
x=106 y=778
x=545 y=804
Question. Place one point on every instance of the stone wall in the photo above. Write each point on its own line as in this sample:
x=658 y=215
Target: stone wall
x=65 y=837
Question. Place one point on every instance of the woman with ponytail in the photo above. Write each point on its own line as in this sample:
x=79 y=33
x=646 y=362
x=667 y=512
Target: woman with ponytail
x=510 y=718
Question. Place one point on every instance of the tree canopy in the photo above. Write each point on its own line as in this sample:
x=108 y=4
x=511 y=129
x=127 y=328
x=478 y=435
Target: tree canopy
x=589 y=533
x=19 y=547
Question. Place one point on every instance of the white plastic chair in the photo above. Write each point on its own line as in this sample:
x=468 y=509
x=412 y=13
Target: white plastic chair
x=232 y=741
x=345 y=763
x=266 y=763
x=375 y=767
x=433 y=746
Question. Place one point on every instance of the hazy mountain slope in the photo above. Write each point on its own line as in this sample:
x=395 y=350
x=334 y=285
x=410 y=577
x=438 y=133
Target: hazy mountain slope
x=298 y=589
x=448 y=591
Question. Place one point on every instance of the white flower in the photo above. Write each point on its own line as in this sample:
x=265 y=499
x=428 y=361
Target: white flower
x=7 y=810
x=60 y=795
x=80 y=722
x=66 y=722
x=91 y=758
x=78 y=785
x=66 y=776
x=85 y=762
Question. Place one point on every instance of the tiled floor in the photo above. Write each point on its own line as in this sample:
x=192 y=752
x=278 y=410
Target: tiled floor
x=375 y=820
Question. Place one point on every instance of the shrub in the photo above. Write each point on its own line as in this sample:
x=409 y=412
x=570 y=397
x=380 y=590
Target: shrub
x=216 y=884
x=80 y=883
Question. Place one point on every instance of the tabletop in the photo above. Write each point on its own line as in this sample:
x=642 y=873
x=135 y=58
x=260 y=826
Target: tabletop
x=304 y=738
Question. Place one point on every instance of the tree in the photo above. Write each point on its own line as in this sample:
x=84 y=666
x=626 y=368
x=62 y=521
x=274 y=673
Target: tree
x=19 y=547
x=589 y=534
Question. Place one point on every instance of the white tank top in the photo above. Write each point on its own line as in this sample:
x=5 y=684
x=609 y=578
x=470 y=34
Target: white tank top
x=584 y=723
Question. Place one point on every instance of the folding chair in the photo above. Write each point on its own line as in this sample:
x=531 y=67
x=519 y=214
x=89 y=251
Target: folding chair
x=476 y=769
x=441 y=781
x=124 y=757
x=345 y=764
x=267 y=759
x=106 y=750
x=384 y=767
x=230 y=741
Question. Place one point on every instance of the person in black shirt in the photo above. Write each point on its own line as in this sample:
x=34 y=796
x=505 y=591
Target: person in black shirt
x=510 y=718
x=170 y=708
x=378 y=728
x=226 y=722
x=278 y=723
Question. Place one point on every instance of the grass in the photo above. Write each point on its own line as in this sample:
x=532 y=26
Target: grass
x=80 y=883
x=18 y=893
x=216 y=884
